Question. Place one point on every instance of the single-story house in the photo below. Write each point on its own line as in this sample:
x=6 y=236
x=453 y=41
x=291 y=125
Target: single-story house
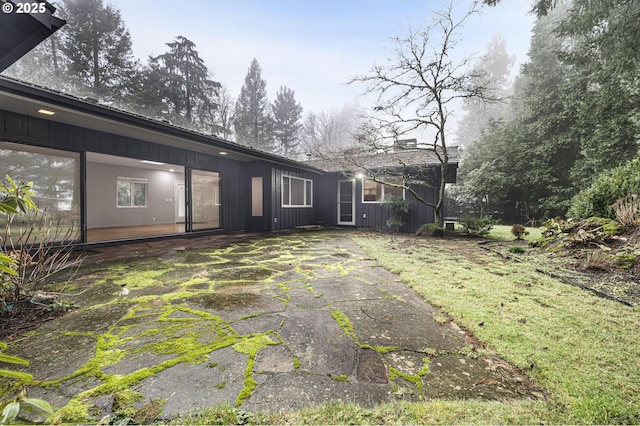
x=114 y=176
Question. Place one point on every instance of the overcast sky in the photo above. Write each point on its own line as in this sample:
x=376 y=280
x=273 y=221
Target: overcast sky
x=310 y=46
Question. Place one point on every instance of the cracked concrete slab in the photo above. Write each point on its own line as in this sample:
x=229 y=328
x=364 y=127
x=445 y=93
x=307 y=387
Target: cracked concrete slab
x=272 y=323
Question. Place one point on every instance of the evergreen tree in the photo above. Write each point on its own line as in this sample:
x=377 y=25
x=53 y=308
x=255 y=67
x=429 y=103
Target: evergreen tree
x=177 y=86
x=522 y=164
x=253 y=122
x=286 y=122
x=494 y=66
x=98 y=48
x=603 y=45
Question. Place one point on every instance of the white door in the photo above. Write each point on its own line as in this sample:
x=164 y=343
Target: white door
x=179 y=201
x=346 y=202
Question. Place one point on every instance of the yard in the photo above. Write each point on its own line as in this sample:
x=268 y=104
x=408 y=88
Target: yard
x=580 y=349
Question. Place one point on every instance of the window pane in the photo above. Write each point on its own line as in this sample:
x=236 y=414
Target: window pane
x=297 y=192
x=56 y=184
x=205 y=187
x=372 y=191
x=124 y=193
x=308 y=194
x=391 y=190
x=139 y=194
x=286 y=200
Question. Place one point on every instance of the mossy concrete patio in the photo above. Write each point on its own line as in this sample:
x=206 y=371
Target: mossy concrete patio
x=271 y=322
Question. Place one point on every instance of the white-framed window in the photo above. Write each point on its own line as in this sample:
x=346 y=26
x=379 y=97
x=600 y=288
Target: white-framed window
x=132 y=192
x=297 y=192
x=375 y=192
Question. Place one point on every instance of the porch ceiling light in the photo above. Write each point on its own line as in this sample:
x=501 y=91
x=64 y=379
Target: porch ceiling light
x=223 y=153
x=156 y=163
x=46 y=111
x=359 y=176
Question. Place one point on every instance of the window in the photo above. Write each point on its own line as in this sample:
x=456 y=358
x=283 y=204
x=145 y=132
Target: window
x=132 y=192
x=375 y=192
x=56 y=184
x=297 y=192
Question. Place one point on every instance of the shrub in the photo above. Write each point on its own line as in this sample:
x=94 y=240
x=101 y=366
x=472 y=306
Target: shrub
x=430 y=230
x=517 y=250
x=519 y=231
x=596 y=260
x=598 y=199
x=478 y=227
x=398 y=209
x=627 y=211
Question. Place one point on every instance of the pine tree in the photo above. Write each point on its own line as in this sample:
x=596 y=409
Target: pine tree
x=98 y=48
x=176 y=85
x=286 y=122
x=253 y=121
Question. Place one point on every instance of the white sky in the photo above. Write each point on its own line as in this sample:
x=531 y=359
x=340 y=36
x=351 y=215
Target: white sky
x=310 y=46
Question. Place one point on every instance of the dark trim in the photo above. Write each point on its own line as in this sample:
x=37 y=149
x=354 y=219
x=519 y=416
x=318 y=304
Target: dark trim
x=83 y=196
x=21 y=32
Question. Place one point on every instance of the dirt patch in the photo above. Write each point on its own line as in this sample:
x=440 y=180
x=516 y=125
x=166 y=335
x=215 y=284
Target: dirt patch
x=24 y=316
x=610 y=281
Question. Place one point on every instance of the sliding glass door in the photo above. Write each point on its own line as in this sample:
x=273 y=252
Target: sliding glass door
x=205 y=200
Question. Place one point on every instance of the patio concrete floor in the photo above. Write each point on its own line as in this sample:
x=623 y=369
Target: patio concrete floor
x=273 y=322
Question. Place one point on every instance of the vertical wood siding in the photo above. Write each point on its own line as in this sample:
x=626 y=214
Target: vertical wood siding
x=289 y=217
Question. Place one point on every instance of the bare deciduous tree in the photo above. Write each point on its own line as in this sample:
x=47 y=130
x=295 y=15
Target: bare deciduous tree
x=417 y=90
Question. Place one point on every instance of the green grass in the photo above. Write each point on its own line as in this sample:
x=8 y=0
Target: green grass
x=583 y=349
x=503 y=233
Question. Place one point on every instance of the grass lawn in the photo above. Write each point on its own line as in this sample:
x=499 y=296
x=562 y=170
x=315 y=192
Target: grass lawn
x=583 y=349
x=503 y=233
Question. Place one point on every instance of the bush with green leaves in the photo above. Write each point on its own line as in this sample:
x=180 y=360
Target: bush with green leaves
x=10 y=407
x=599 y=198
x=398 y=209
x=16 y=199
x=477 y=226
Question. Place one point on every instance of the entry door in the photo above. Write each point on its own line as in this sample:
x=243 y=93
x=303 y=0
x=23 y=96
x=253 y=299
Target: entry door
x=179 y=201
x=346 y=202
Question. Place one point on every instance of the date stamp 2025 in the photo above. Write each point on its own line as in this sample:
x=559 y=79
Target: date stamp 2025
x=26 y=7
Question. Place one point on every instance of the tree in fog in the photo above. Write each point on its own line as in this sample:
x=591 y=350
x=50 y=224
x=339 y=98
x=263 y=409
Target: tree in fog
x=97 y=48
x=253 y=121
x=222 y=115
x=575 y=111
x=327 y=132
x=495 y=67
x=287 y=114
x=177 y=85
x=416 y=91
x=44 y=65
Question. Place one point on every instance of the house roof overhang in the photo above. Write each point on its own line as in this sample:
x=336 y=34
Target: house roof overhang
x=21 y=32
x=23 y=98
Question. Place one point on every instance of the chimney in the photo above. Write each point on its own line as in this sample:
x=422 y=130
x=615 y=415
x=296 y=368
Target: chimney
x=406 y=144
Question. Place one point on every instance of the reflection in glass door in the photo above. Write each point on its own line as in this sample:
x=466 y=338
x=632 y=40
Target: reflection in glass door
x=346 y=202
x=205 y=205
